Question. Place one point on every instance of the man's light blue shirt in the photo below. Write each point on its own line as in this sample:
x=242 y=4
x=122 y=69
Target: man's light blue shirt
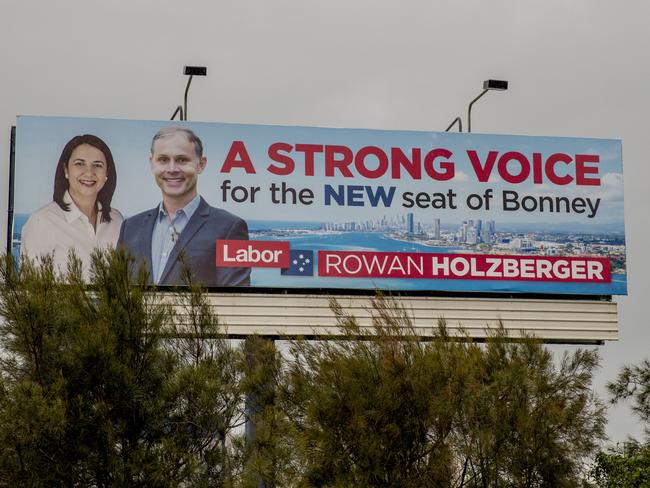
x=166 y=232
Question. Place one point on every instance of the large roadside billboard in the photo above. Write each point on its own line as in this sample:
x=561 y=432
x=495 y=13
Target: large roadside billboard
x=324 y=208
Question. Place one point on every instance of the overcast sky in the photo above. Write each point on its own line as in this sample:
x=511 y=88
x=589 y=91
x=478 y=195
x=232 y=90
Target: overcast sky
x=576 y=68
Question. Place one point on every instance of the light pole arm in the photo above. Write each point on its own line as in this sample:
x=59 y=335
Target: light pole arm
x=460 y=125
x=469 y=111
x=190 y=71
x=187 y=89
x=179 y=109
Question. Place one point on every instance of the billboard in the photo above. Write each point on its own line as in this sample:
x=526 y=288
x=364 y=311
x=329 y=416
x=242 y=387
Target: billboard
x=325 y=208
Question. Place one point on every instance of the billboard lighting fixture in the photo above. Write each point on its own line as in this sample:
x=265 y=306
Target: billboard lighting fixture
x=198 y=71
x=190 y=71
x=497 y=85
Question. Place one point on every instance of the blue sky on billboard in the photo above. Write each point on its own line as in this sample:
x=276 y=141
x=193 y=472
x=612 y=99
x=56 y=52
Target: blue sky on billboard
x=129 y=142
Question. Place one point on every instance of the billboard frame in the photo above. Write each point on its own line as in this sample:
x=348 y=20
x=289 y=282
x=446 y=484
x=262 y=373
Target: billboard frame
x=337 y=291
x=551 y=300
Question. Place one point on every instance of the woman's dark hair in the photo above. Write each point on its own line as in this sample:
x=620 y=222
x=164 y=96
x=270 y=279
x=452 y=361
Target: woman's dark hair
x=61 y=184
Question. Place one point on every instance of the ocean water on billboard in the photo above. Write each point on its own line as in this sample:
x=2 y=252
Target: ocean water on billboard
x=352 y=241
x=376 y=241
x=309 y=236
x=19 y=222
x=260 y=225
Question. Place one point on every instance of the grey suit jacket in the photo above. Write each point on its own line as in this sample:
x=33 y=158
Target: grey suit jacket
x=196 y=245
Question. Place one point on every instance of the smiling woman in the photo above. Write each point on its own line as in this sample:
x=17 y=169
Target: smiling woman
x=80 y=218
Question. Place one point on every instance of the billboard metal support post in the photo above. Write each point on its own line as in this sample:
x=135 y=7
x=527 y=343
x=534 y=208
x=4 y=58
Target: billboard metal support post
x=10 y=206
x=187 y=89
x=261 y=394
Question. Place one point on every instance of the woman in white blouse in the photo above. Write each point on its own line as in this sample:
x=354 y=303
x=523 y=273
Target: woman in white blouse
x=80 y=218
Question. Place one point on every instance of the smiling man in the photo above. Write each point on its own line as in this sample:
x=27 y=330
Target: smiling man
x=183 y=228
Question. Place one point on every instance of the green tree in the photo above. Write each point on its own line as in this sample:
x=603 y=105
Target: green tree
x=623 y=468
x=99 y=388
x=119 y=385
x=384 y=408
x=373 y=409
x=633 y=382
x=527 y=421
x=628 y=467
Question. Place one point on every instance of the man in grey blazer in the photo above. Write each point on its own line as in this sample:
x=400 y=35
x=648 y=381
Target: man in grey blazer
x=183 y=229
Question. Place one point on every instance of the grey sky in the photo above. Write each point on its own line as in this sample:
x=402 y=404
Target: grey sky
x=576 y=68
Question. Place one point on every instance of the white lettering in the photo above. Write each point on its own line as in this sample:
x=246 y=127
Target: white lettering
x=418 y=265
x=436 y=266
x=396 y=265
x=251 y=255
x=225 y=254
x=561 y=269
x=595 y=270
x=374 y=263
x=510 y=268
x=544 y=268
x=329 y=263
x=527 y=268
x=462 y=271
x=578 y=271
x=494 y=266
x=347 y=259
x=474 y=271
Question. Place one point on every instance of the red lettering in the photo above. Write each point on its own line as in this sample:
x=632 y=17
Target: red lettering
x=310 y=150
x=360 y=162
x=288 y=164
x=482 y=171
x=332 y=163
x=447 y=167
x=399 y=159
x=582 y=170
x=504 y=170
x=238 y=157
x=537 y=168
x=552 y=176
x=586 y=168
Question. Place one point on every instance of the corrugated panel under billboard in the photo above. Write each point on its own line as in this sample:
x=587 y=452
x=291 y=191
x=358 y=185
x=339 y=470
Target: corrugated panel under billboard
x=566 y=321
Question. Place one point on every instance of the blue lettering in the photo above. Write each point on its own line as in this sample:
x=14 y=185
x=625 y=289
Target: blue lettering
x=374 y=197
x=330 y=193
x=355 y=196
